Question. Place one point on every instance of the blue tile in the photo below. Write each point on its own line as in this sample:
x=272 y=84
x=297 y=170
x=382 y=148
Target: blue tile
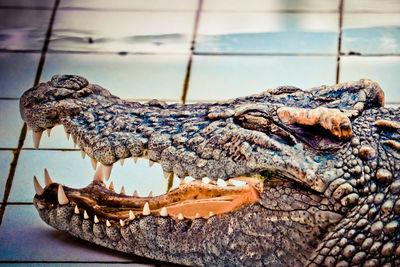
x=10 y=123
x=225 y=77
x=267 y=33
x=389 y=6
x=17 y=73
x=5 y=160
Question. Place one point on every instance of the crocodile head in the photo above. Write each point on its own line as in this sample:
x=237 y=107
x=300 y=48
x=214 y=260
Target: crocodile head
x=321 y=169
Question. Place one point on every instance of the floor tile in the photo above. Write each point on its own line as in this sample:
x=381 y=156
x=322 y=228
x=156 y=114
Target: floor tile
x=22 y=29
x=372 y=6
x=10 y=123
x=384 y=70
x=122 y=31
x=225 y=77
x=131 y=76
x=25 y=237
x=17 y=73
x=153 y=5
x=5 y=160
x=271 y=5
x=242 y=32
x=27 y=3
x=371 y=33
x=68 y=168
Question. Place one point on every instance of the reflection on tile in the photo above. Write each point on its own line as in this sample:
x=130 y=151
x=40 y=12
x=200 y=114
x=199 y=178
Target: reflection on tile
x=25 y=237
x=233 y=76
x=131 y=76
x=372 y=5
x=371 y=33
x=384 y=70
x=27 y=3
x=23 y=29
x=122 y=31
x=70 y=169
x=5 y=160
x=267 y=33
x=181 y=5
x=10 y=123
x=271 y=5
x=17 y=73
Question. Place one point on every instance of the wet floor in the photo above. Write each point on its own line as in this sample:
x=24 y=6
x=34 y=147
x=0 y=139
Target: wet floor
x=177 y=50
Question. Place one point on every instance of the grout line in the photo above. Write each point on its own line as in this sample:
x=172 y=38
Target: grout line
x=339 y=40
x=16 y=152
x=192 y=48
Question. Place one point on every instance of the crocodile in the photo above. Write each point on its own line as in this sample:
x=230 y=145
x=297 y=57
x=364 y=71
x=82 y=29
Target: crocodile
x=320 y=171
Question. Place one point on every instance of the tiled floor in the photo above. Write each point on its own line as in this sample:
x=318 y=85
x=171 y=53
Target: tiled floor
x=180 y=50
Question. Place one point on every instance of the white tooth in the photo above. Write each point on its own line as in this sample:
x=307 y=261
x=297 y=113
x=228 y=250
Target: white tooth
x=74 y=144
x=122 y=161
x=164 y=212
x=68 y=135
x=151 y=194
x=83 y=154
x=151 y=163
x=111 y=186
x=229 y=183
x=146 y=209
x=107 y=171
x=123 y=190
x=98 y=175
x=182 y=181
x=122 y=223
x=38 y=188
x=36 y=139
x=47 y=179
x=94 y=163
x=135 y=193
x=180 y=217
x=221 y=182
x=108 y=224
x=96 y=220
x=197 y=215
x=211 y=214
x=28 y=128
x=131 y=215
x=135 y=159
x=62 y=198
x=76 y=209
x=166 y=175
x=48 y=132
x=212 y=182
x=40 y=205
x=85 y=215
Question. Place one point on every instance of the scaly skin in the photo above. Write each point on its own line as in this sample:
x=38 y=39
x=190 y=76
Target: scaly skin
x=327 y=161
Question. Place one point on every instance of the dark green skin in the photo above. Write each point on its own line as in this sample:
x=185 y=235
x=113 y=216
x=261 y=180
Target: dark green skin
x=326 y=201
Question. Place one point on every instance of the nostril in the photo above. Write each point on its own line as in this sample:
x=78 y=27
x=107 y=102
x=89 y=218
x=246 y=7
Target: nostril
x=73 y=82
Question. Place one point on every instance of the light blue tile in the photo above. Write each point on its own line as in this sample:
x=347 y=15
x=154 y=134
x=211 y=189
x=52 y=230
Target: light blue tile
x=27 y=3
x=25 y=237
x=372 y=6
x=155 y=32
x=367 y=33
x=17 y=73
x=131 y=76
x=10 y=123
x=22 y=29
x=384 y=70
x=242 y=32
x=225 y=77
x=5 y=160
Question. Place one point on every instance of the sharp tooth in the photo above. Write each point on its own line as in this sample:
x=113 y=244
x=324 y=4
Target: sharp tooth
x=166 y=175
x=212 y=182
x=62 y=198
x=135 y=193
x=146 y=209
x=151 y=163
x=123 y=190
x=182 y=181
x=111 y=186
x=122 y=223
x=74 y=144
x=94 y=163
x=131 y=215
x=197 y=215
x=96 y=220
x=107 y=171
x=83 y=154
x=122 y=161
x=68 y=135
x=180 y=217
x=47 y=179
x=229 y=183
x=221 y=182
x=76 y=209
x=48 y=132
x=135 y=159
x=28 y=128
x=164 y=212
x=38 y=188
x=151 y=194
x=98 y=176
x=36 y=139
x=211 y=214
x=108 y=224
x=85 y=215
